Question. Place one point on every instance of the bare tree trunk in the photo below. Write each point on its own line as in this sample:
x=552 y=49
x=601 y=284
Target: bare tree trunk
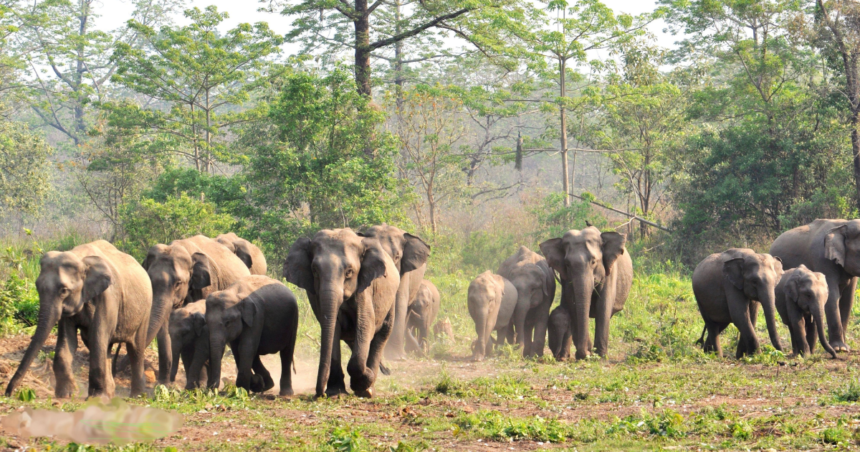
x=564 y=168
x=362 y=49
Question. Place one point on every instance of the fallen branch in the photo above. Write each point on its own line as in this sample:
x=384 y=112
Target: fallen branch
x=629 y=215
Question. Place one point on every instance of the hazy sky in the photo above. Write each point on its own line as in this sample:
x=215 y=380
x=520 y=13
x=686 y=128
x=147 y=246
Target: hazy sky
x=115 y=12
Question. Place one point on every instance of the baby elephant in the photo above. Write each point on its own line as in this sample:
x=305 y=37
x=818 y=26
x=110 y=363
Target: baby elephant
x=189 y=339
x=559 y=333
x=800 y=298
x=257 y=315
x=492 y=301
x=422 y=312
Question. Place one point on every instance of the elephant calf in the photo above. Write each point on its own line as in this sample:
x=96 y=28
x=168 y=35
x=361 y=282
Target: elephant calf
x=559 y=333
x=257 y=315
x=727 y=286
x=189 y=338
x=800 y=298
x=422 y=313
x=492 y=300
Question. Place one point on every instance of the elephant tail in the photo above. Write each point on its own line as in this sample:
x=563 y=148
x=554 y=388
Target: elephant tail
x=385 y=370
x=294 y=367
x=115 y=358
x=701 y=340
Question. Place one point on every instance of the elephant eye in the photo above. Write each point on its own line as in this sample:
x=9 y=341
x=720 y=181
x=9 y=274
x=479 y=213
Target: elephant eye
x=349 y=272
x=64 y=291
x=177 y=285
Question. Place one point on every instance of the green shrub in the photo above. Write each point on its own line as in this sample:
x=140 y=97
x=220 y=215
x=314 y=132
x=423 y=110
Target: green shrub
x=19 y=303
x=148 y=222
x=346 y=440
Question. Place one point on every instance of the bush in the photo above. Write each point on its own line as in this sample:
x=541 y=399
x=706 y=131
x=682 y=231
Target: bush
x=148 y=222
x=19 y=303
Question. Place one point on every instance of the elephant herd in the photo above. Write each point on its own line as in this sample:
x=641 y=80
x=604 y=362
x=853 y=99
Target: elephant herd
x=367 y=289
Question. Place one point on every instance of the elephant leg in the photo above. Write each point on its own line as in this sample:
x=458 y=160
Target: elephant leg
x=263 y=378
x=361 y=374
x=712 y=341
x=374 y=355
x=64 y=353
x=605 y=301
x=519 y=324
x=740 y=314
x=754 y=305
x=335 y=385
x=528 y=345
x=566 y=342
x=798 y=331
x=186 y=354
x=811 y=333
x=135 y=351
x=165 y=355
x=103 y=325
x=412 y=344
x=540 y=326
x=846 y=302
x=245 y=352
x=395 y=348
x=835 y=334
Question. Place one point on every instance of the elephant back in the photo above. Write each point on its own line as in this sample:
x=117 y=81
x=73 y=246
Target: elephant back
x=225 y=267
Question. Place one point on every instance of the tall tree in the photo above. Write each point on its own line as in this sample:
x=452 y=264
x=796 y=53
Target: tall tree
x=62 y=35
x=361 y=26
x=199 y=78
x=557 y=45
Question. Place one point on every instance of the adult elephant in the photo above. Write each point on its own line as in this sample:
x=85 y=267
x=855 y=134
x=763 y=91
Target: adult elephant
x=599 y=272
x=727 y=286
x=256 y=316
x=409 y=254
x=534 y=280
x=351 y=283
x=249 y=253
x=182 y=272
x=831 y=247
x=105 y=294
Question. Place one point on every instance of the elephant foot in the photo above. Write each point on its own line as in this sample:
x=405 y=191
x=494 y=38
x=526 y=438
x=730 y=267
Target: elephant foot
x=335 y=392
x=477 y=358
x=365 y=394
x=286 y=392
x=840 y=346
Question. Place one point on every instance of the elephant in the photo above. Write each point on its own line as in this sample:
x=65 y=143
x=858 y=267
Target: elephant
x=422 y=314
x=257 y=315
x=189 y=336
x=104 y=293
x=352 y=284
x=800 y=298
x=558 y=333
x=534 y=280
x=831 y=247
x=409 y=254
x=727 y=286
x=249 y=253
x=182 y=272
x=492 y=300
x=596 y=273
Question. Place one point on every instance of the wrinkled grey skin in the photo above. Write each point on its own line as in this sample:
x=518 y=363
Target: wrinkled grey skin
x=106 y=295
x=410 y=255
x=351 y=283
x=831 y=247
x=492 y=300
x=727 y=286
x=257 y=315
x=800 y=298
x=249 y=253
x=181 y=272
x=188 y=336
x=422 y=314
x=535 y=283
x=559 y=333
x=596 y=274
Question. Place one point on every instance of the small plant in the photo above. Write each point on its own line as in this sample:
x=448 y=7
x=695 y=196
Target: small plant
x=849 y=393
x=347 y=440
x=26 y=395
x=835 y=435
x=741 y=430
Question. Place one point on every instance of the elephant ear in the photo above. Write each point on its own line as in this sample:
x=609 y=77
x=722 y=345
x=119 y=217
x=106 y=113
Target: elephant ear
x=613 y=248
x=99 y=278
x=834 y=245
x=777 y=265
x=553 y=250
x=243 y=254
x=415 y=253
x=297 y=267
x=791 y=289
x=249 y=312
x=151 y=255
x=372 y=264
x=549 y=279
x=201 y=276
x=198 y=324
x=733 y=270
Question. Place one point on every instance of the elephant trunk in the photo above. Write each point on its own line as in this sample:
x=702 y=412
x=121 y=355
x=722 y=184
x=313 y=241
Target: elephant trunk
x=330 y=300
x=582 y=289
x=162 y=307
x=217 y=343
x=49 y=315
x=176 y=344
x=818 y=317
x=201 y=355
x=769 y=308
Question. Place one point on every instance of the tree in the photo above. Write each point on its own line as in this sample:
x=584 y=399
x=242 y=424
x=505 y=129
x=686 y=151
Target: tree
x=368 y=34
x=429 y=126
x=840 y=35
x=556 y=47
x=61 y=35
x=200 y=77
x=644 y=120
x=310 y=169
x=24 y=168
